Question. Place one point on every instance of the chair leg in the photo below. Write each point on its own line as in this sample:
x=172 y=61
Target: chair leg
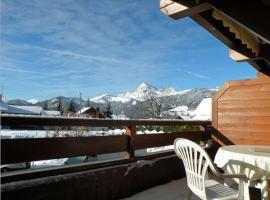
x=189 y=194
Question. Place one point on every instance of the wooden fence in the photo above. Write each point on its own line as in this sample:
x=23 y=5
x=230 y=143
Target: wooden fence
x=31 y=149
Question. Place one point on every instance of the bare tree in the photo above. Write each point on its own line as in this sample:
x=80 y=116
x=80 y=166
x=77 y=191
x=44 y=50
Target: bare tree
x=155 y=106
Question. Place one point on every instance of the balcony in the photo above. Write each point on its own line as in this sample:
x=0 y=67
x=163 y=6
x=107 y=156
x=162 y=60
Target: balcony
x=111 y=179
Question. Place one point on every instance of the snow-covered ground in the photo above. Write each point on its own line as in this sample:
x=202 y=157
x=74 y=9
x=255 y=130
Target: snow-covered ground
x=12 y=134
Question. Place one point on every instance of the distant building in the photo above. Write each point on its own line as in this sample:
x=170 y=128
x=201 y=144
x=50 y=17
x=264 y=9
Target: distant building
x=203 y=111
x=26 y=110
x=23 y=110
x=90 y=112
x=180 y=112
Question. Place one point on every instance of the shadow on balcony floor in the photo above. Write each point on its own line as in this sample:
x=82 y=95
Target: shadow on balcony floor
x=177 y=190
x=171 y=191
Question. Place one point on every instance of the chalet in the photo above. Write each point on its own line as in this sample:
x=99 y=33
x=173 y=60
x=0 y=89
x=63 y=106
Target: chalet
x=90 y=112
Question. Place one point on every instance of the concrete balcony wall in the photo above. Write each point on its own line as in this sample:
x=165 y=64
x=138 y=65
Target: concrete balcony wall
x=112 y=182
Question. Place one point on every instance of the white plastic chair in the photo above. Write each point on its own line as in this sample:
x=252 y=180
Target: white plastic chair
x=197 y=162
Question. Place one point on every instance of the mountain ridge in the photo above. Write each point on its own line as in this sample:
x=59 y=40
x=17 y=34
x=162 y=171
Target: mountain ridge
x=134 y=104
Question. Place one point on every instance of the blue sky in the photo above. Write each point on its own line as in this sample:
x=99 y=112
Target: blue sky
x=58 y=47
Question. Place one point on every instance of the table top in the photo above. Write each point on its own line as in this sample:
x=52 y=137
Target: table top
x=250 y=150
x=255 y=157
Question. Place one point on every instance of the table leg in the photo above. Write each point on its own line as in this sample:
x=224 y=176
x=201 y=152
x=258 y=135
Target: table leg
x=265 y=189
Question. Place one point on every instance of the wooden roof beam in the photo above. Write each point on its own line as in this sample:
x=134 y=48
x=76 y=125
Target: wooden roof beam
x=179 y=10
x=252 y=15
x=238 y=57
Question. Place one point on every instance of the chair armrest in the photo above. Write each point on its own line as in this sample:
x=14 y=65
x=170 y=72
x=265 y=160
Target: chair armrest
x=239 y=176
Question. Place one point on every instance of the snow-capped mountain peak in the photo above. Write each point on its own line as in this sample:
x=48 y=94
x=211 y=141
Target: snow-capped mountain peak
x=145 y=86
x=140 y=94
x=105 y=98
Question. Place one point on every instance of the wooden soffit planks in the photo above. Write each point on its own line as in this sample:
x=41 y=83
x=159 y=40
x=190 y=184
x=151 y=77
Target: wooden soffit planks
x=247 y=35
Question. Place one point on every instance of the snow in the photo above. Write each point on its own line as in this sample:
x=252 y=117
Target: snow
x=54 y=100
x=99 y=99
x=203 y=111
x=82 y=110
x=33 y=101
x=48 y=163
x=179 y=109
x=109 y=98
x=50 y=113
x=145 y=90
x=32 y=110
x=119 y=116
x=120 y=99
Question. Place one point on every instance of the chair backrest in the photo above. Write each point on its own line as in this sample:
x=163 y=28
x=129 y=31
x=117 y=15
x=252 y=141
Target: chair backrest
x=196 y=162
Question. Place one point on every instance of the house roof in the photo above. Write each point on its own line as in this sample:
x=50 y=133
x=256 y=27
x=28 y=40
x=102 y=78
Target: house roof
x=28 y=110
x=204 y=110
x=246 y=33
x=83 y=110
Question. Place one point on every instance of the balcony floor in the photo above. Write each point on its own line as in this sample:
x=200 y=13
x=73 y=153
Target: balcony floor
x=171 y=191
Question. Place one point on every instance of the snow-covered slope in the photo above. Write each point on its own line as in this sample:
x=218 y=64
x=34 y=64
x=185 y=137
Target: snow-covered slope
x=109 y=98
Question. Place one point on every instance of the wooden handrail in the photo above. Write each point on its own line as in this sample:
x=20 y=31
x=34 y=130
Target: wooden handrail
x=31 y=149
x=22 y=120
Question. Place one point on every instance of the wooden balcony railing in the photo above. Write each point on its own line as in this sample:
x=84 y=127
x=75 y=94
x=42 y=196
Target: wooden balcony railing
x=32 y=149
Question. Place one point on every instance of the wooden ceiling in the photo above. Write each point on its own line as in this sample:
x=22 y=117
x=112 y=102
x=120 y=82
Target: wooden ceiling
x=243 y=25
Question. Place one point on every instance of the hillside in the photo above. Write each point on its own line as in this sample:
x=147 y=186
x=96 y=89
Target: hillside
x=146 y=101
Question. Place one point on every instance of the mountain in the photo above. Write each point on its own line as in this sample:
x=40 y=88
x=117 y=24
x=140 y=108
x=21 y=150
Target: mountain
x=144 y=91
x=139 y=103
x=19 y=102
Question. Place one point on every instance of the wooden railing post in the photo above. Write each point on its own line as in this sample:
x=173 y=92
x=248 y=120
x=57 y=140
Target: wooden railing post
x=131 y=132
x=207 y=132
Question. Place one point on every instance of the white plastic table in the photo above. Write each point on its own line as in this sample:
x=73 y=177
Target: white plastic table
x=251 y=160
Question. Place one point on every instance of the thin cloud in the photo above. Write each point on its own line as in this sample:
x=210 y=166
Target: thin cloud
x=68 y=44
x=20 y=70
x=196 y=75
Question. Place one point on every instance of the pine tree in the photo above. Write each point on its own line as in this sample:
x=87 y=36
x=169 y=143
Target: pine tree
x=72 y=106
x=108 y=112
x=60 y=106
x=45 y=106
x=88 y=104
